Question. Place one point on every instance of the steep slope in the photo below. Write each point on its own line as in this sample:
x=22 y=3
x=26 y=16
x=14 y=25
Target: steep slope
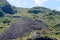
x=5 y=7
x=19 y=28
x=9 y=14
x=6 y=11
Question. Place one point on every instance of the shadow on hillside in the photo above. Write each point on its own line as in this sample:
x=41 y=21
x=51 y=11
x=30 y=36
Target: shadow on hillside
x=42 y=38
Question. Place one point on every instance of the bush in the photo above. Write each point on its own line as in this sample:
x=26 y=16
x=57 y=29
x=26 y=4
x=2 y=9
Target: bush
x=6 y=21
x=1 y=27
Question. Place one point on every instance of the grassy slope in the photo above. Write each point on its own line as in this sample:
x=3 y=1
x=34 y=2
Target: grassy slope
x=24 y=13
x=50 y=23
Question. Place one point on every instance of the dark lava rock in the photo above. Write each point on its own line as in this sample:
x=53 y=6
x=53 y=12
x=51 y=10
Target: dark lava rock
x=1 y=14
x=29 y=39
x=16 y=16
x=20 y=27
x=7 y=9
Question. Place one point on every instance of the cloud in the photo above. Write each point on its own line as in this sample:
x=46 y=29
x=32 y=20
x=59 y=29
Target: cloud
x=58 y=8
x=17 y=3
x=13 y=2
x=58 y=0
x=40 y=2
x=26 y=3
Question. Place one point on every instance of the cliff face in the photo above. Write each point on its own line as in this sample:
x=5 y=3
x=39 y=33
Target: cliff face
x=6 y=8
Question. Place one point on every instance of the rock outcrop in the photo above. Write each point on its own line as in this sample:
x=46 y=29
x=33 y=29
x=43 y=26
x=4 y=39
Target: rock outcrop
x=22 y=26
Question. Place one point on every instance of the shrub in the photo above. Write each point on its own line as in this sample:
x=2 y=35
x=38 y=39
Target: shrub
x=6 y=21
x=1 y=27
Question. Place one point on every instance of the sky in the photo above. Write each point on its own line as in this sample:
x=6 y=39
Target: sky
x=52 y=4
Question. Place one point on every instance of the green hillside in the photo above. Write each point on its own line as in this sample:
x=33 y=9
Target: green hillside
x=9 y=14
